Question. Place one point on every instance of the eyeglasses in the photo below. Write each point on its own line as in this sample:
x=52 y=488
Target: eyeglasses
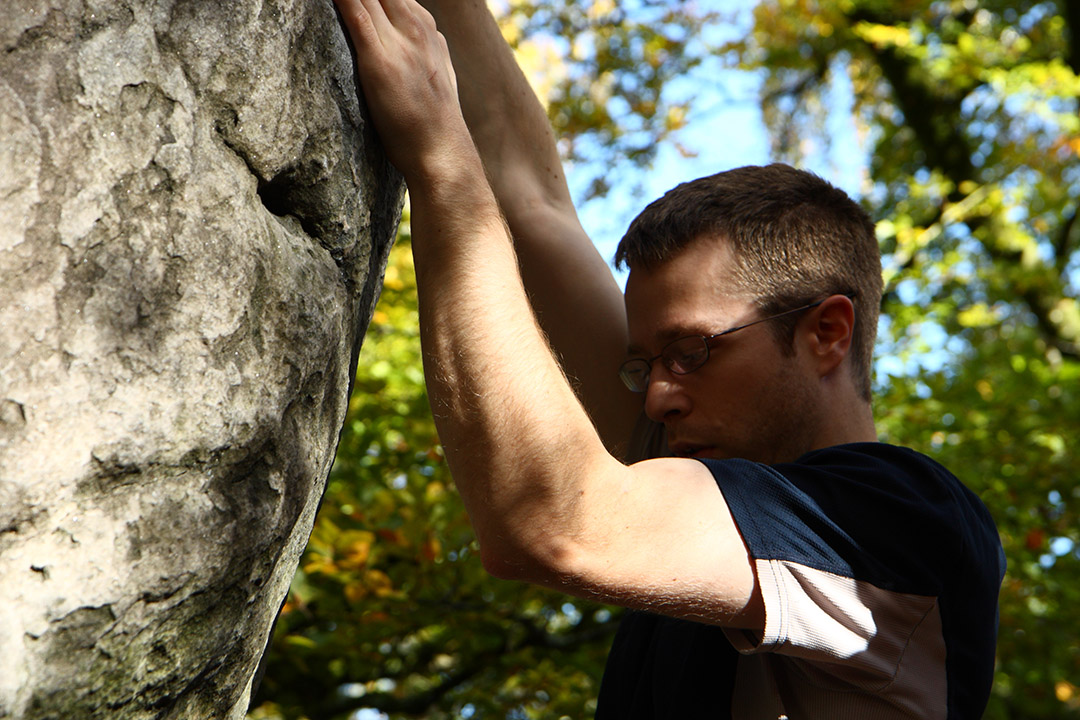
x=687 y=354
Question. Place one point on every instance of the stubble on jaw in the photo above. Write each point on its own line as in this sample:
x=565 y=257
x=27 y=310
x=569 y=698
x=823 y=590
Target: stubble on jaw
x=784 y=426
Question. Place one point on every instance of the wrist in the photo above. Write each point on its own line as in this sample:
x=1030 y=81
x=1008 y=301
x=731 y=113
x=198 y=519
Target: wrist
x=451 y=161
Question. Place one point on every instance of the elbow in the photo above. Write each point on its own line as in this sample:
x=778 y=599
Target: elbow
x=549 y=561
x=501 y=564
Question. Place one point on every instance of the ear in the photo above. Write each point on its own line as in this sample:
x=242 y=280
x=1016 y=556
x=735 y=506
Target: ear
x=828 y=333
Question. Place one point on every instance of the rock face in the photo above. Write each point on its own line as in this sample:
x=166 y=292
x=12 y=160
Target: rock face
x=193 y=226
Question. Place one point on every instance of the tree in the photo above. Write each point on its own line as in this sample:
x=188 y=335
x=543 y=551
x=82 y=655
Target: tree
x=969 y=113
x=604 y=69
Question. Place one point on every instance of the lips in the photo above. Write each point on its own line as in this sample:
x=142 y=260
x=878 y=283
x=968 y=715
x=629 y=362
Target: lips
x=690 y=450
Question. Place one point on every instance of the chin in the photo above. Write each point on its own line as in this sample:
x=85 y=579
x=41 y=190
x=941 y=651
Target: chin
x=713 y=454
x=705 y=453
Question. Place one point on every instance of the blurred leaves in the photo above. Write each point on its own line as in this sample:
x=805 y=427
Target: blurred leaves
x=604 y=70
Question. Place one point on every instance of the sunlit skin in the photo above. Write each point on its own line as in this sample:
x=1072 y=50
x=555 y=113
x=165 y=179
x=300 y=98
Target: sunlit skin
x=751 y=399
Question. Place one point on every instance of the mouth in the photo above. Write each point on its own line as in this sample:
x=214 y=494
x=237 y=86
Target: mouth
x=689 y=450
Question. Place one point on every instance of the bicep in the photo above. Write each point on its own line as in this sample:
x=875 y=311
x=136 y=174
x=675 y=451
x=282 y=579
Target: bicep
x=580 y=307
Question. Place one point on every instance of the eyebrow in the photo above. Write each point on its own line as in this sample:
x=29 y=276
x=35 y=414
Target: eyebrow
x=664 y=337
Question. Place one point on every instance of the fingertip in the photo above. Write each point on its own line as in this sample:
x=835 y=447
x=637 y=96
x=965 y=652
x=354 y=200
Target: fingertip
x=358 y=22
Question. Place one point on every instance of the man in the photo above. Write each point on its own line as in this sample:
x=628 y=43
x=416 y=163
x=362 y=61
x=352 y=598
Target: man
x=784 y=563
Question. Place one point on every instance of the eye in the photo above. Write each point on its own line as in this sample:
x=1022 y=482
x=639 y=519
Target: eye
x=685 y=354
x=635 y=374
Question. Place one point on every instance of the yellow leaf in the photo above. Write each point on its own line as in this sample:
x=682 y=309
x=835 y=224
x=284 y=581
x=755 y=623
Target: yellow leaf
x=601 y=9
x=355 y=592
x=355 y=549
x=392 y=279
x=510 y=31
x=676 y=118
x=320 y=564
x=434 y=491
x=543 y=65
x=977 y=316
x=378 y=582
x=883 y=35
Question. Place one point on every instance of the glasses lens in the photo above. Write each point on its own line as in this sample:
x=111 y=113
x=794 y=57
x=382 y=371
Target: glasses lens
x=635 y=374
x=685 y=355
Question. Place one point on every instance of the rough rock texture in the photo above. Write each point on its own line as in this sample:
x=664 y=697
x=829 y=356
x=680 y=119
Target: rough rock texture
x=193 y=226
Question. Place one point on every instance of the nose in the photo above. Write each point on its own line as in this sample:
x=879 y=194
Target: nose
x=665 y=399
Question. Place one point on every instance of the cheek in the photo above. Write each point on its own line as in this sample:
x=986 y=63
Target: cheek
x=737 y=377
x=790 y=393
x=728 y=396
x=766 y=388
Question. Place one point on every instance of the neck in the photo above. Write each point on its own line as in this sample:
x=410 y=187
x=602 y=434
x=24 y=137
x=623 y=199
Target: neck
x=846 y=417
x=855 y=424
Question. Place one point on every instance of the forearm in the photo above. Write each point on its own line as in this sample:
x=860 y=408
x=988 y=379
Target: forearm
x=571 y=288
x=519 y=444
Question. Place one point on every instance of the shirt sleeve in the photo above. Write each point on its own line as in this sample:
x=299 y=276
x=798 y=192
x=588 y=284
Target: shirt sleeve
x=850 y=554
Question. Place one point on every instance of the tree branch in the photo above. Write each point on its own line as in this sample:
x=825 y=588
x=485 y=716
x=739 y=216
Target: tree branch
x=1063 y=245
x=1070 y=10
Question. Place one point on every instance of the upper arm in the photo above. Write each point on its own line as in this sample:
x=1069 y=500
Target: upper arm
x=659 y=536
x=580 y=308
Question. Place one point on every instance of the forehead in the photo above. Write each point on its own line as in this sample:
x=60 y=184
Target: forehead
x=693 y=293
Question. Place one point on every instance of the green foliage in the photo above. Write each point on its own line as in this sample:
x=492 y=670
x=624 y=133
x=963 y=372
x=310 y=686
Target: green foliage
x=970 y=115
x=606 y=76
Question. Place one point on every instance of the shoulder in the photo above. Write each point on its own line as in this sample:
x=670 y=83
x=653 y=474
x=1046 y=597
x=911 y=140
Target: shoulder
x=881 y=512
x=899 y=469
x=856 y=476
x=911 y=484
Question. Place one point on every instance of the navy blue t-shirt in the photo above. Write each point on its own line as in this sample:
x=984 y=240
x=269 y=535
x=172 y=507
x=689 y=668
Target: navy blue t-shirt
x=880 y=573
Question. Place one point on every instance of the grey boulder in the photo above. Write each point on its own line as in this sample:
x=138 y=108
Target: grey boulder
x=194 y=220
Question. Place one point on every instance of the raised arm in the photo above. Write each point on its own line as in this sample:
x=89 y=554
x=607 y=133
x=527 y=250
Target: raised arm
x=572 y=290
x=548 y=503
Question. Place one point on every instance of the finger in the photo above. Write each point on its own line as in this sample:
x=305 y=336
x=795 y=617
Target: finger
x=379 y=19
x=360 y=24
x=448 y=62
x=403 y=12
x=410 y=19
x=396 y=10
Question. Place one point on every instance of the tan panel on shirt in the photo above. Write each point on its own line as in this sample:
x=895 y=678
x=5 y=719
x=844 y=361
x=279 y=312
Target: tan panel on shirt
x=838 y=648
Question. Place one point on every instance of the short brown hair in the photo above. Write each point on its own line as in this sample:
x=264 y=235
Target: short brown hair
x=795 y=239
